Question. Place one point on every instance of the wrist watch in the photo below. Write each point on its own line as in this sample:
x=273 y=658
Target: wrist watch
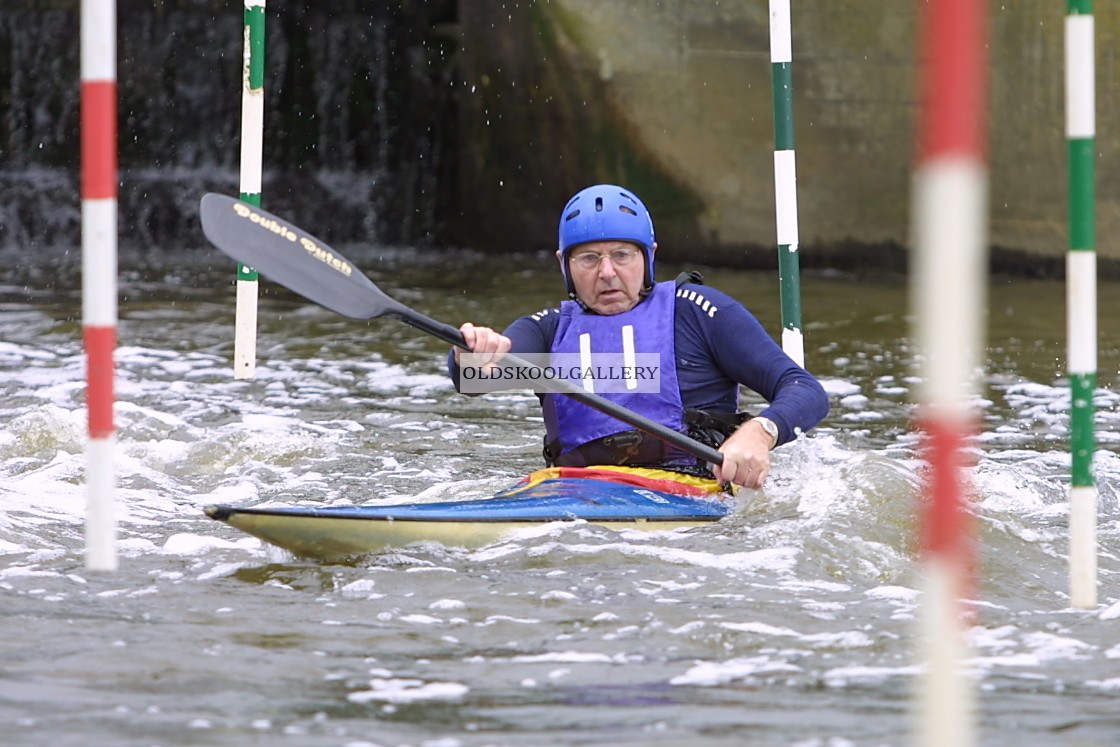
x=770 y=427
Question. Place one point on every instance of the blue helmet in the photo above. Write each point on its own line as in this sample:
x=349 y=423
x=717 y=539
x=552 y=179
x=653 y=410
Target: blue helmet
x=605 y=212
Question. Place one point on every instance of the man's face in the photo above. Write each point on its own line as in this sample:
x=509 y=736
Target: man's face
x=607 y=275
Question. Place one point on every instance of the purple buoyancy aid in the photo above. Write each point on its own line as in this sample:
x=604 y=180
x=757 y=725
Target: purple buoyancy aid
x=648 y=328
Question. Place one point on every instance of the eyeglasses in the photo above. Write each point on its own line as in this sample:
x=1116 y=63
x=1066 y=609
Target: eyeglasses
x=619 y=258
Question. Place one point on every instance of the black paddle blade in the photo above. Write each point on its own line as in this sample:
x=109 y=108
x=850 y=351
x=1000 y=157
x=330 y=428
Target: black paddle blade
x=290 y=256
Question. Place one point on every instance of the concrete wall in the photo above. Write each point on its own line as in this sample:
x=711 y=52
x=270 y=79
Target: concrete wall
x=692 y=81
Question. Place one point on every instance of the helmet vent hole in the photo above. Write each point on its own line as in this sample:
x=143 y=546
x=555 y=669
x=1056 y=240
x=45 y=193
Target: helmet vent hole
x=624 y=209
x=573 y=214
x=598 y=204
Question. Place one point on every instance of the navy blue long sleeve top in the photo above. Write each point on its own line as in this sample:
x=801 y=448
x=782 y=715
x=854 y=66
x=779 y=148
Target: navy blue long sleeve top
x=712 y=351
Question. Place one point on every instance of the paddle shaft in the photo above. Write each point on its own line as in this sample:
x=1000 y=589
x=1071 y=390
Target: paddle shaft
x=303 y=263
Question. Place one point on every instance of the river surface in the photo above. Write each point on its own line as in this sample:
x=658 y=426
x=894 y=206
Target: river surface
x=792 y=622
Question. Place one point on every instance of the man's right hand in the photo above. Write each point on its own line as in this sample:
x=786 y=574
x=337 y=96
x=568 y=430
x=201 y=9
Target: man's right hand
x=484 y=342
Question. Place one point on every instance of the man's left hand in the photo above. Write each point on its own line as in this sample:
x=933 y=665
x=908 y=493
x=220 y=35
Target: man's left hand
x=746 y=457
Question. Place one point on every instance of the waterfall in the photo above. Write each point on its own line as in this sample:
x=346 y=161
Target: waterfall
x=358 y=117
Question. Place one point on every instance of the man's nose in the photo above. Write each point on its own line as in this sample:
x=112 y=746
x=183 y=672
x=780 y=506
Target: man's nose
x=606 y=267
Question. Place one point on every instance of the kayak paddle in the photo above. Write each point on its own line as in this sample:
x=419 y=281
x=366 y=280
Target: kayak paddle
x=290 y=256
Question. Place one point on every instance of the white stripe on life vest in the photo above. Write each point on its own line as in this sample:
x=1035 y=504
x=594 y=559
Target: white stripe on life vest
x=629 y=357
x=585 y=361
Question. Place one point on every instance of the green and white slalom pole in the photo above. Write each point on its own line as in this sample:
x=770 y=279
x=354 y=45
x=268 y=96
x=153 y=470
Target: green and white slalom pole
x=1081 y=299
x=252 y=146
x=785 y=180
x=948 y=280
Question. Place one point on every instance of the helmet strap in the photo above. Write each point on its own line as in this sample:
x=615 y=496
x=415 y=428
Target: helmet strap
x=572 y=295
x=647 y=286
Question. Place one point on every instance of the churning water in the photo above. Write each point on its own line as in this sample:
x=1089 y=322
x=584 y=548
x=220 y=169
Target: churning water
x=790 y=623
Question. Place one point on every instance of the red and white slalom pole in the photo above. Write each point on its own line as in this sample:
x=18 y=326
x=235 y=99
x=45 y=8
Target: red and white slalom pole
x=99 y=269
x=948 y=296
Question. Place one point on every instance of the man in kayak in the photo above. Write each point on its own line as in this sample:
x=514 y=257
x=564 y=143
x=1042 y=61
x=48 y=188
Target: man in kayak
x=708 y=343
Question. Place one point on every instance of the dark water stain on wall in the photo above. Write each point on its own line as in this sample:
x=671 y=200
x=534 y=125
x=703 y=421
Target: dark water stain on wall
x=357 y=126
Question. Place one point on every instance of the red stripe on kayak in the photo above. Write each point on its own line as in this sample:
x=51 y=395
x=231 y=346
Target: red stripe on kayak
x=638 y=481
x=100 y=342
x=99 y=139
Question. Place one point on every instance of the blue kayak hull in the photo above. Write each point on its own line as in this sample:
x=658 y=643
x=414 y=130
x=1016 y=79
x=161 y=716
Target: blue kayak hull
x=345 y=531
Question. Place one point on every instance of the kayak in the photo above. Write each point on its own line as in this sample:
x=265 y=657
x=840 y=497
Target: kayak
x=614 y=497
